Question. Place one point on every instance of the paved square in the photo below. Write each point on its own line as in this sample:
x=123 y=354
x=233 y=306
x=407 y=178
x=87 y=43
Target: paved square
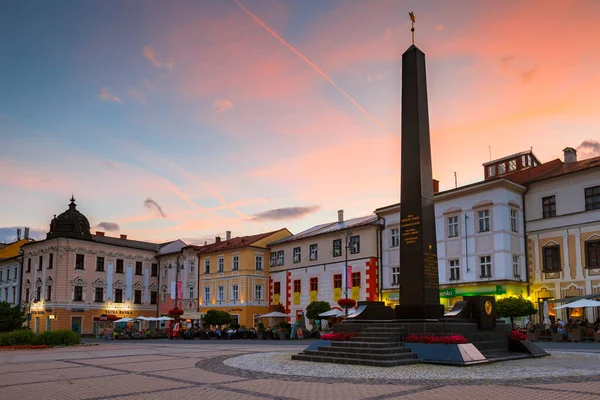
x=195 y=369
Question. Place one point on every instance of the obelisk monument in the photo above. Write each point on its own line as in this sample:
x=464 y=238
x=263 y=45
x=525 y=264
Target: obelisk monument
x=419 y=284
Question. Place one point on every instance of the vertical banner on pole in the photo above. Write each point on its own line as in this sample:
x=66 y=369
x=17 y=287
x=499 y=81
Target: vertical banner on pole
x=349 y=277
x=179 y=290
x=172 y=290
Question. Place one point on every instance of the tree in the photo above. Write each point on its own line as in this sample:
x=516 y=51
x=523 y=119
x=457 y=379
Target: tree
x=217 y=317
x=515 y=307
x=315 y=308
x=11 y=317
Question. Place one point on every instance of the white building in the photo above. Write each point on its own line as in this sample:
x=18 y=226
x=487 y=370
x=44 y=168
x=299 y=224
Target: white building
x=10 y=270
x=325 y=263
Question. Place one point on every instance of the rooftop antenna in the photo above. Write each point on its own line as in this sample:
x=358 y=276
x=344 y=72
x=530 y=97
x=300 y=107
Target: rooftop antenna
x=490 y=153
x=455 y=180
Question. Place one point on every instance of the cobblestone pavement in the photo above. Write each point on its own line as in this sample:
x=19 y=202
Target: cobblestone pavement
x=159 y=370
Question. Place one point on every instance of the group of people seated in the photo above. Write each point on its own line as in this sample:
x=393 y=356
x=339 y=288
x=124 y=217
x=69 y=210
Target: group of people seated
x=586 y=329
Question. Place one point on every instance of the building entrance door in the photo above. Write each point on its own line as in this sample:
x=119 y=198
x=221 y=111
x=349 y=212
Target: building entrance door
x=76 y=323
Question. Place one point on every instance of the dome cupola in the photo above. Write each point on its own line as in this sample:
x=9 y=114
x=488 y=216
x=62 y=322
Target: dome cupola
x=70 y=224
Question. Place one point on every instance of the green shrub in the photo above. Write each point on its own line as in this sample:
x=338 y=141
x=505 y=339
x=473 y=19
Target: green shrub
x=61 y=337
x=27 y=337
x=18 y=337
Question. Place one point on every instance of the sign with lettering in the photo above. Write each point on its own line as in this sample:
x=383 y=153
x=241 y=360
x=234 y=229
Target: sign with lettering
x=77 y=310
x=119 y=312
x=411 y=227
x=431 y=270
x=450 y=292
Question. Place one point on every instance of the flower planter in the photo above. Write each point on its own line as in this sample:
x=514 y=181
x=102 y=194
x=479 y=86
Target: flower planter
x=449 y=354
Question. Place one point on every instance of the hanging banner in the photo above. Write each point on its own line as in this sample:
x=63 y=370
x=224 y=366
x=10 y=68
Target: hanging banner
x=337 y=294
x=349 y=276
x=313 y=295
x=356 y=293
x=275 y=299
x=179 y=290
x=296 y=297
x=172 y=290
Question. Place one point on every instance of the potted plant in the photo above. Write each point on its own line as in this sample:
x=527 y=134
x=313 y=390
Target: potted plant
x=284 y=330
x=346 y=304
x=450 y=349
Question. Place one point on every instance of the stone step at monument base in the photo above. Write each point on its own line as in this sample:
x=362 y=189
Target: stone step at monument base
x=356 y=361
x=335 y=352
x=368 y=345
x=375 y=339
x=367 y=350
x=503 y=355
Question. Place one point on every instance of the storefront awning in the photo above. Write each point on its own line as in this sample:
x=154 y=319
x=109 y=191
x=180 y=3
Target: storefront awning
x=570 y=299
x=192 y=315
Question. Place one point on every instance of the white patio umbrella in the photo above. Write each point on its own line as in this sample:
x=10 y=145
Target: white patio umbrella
x=547 y=321
x=580 y=304
x=126 y=319
x=332 y=313
x=164 y=319
x=275 y=314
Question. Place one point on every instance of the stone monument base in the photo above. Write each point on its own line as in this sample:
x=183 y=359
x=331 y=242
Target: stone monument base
x=419 y=311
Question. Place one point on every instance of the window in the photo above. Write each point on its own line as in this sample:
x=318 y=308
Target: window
x=273 y=259
x=454 y=270
x=118 y=295
x=50 y=260
x=395 y=276
x=314 y=249
x=38 y=295
x=153 y=297
x=483 y=217
x=48 y=293
x=220 y=264
x=29 y=265
x=552 y=259
x=485 y=263
x=79 y=260
x=280 y=258
x=296 y=255
x=592 y=198
x=512 y=165
x=314 y=284
x=207 y=294
x=14 y=293
x=100 y=264
x=453 y=226
x=138 y=268
x=337 y=247
x=40 y=263
x=78 y=293
x=354 y=244
x=99 y=295
x=529 y=160
x=515 y=265
x=259 y=263
x=207 y=266
x=513 y=220
x=15 y=274
x=220 y=293
x=523 y=161
x=191 y=293
x=337 y=281
x=191 y=267
x=356 y=279
x=277 y=288
x=549 y=206
x=235 y=292
x=297 y=286
x=235 y=264
x=137 y=296
x=154 y=270
x=501 y=168
x=27 y=294
x=119 y=268
x=258 y=292
x=491 y=170
x=395 y=237
x=592 y=254
x=164 y=295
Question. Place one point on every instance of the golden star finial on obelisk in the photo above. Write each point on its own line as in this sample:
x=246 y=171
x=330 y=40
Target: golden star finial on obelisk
x=413 y=19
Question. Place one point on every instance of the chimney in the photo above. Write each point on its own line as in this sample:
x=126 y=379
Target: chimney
x=123 y=236
x=340 y=216
x=436 y=186
x=98 y=233
x=218 y=239
x=205 y=242
x=228 y=233
x=18 y=234
x=570 y=155
x=26 y=235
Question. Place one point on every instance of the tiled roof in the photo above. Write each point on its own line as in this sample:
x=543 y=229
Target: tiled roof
x=329 y=228
x=12 y=250
x=551 y=169
x=234 y=243
x=135 y=244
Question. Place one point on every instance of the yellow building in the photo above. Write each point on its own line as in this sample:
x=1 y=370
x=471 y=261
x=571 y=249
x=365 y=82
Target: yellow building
x=234 y=275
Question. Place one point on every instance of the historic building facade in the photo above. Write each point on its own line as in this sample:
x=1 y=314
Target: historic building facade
x=563 y=233
x=325 y=263
x=234 y=275
x=10 y=271
x=75 y=280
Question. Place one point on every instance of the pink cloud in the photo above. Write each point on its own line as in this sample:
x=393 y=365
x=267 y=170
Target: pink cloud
x=105 y=95
x=150 y=54
x=222 y=105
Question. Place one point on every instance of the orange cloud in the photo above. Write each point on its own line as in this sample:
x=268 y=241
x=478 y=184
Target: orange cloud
x=150 y=54
x=105 y=95
x=222 y=105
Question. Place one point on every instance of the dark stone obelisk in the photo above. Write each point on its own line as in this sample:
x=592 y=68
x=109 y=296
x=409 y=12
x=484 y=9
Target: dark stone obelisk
x=419 y=284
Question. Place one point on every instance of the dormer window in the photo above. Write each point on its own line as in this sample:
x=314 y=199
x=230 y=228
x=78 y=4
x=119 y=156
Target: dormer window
x=491 y=170
x=512 y=165
x=501 y=168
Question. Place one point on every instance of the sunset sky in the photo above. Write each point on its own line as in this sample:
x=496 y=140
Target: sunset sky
x=185 y=119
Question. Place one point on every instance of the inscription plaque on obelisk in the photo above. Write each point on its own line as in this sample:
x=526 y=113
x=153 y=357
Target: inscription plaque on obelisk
x=419 y=284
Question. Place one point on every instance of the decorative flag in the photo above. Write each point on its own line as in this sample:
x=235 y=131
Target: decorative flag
x=349 y=276
x=172 y=290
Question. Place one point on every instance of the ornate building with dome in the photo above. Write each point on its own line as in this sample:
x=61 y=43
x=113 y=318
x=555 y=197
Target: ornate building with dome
x=80 y=281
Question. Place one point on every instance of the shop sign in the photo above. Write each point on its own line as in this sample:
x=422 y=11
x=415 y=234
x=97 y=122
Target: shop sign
x=119 y=312
x=236 y=309
x=450 y=292
x=103 y=317
x=392 y=297
x=77 y=310
x=38 y=312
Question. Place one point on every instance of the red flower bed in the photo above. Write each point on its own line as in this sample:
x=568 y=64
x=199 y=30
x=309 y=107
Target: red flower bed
x=338 y=337
x=454 y=339
x=347 y=303
x=516 y=335
x=24 y=347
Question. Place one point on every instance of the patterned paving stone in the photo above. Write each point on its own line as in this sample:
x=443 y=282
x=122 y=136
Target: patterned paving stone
x=155 y=365
x=196 y=375
x=312 y=390
x=34 y=366
x=53 y=375
x=194 y=393
x=488 y=391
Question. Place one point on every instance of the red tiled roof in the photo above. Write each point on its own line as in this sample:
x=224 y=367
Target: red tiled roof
x=234 y=243
x=551 y=169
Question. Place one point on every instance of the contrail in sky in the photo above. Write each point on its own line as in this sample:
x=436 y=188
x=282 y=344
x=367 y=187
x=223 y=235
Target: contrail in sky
x=312 y=65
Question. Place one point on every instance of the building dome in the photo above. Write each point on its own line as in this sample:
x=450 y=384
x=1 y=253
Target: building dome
x=70 y=224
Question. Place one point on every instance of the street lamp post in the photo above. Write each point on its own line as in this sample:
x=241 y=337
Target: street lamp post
x=177 y=269
x=347 y=240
